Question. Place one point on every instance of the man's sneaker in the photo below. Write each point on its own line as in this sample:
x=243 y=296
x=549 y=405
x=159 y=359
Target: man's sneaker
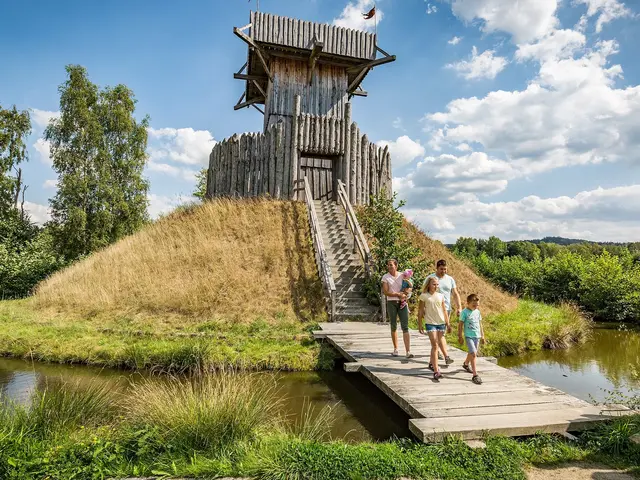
x=476 y=379
x=437 y=376
x=467 y=368
x=409 y=355
x=448 y=360
x=395 y=353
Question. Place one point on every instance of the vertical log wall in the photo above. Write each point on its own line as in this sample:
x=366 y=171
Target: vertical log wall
x=256 y=164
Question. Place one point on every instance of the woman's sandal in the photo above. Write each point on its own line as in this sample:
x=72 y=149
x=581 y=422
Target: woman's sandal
x=467 y=368
x=437 y=376
x=430 y=366
x=476 y=379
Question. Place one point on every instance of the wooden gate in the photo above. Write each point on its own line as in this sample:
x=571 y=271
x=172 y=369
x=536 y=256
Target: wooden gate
x=319 y=172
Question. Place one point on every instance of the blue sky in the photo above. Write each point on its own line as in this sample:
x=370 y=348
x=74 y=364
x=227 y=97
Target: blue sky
x=520 y=119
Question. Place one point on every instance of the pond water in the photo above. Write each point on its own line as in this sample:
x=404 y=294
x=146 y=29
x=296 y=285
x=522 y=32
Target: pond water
x=606 y=362
x=362 y=411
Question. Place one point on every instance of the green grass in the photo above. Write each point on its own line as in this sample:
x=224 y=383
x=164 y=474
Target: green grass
x=155 y=343
x=226 y=426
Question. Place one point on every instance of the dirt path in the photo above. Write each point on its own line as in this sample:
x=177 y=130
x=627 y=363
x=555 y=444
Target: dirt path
x=577 y=471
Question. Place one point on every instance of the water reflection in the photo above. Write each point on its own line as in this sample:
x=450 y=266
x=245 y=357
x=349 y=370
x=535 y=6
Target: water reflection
x=363 y=412
x=605 y=362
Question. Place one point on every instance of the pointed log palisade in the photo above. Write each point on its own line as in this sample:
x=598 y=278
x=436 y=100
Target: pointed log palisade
x=304 y=74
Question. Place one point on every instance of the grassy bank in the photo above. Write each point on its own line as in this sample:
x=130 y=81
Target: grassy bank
x=226 y=425
x=226 y=283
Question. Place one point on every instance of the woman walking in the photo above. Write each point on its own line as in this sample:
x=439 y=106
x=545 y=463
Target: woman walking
x=392 y=289
x=433 y=311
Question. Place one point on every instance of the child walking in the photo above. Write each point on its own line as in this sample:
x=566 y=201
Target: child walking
x=471 y=323
x=433 y=310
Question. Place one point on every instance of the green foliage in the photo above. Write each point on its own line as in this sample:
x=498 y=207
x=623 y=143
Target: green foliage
x=98 y=150
x=382 y=221
x=15 y=127
x=201 y=184
x=26 y=255
x=603 y=280
x=75 y=434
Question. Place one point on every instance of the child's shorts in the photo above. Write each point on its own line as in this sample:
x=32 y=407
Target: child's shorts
x=472 y=344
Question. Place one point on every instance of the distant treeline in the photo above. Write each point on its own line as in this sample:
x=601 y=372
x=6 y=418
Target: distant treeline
x=603 y=279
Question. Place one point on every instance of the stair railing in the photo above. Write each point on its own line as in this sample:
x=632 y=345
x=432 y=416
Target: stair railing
x=359 y=240
x=322 y=261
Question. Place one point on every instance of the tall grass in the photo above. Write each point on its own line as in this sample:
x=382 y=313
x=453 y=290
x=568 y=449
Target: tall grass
x=238 y=258
x=533 y=326
x=206 y=413
x=60 y=408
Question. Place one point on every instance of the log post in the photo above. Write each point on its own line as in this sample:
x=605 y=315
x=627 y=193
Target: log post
x=280 y=140
x=347 y=145
x=353 y=163
x=294 y=148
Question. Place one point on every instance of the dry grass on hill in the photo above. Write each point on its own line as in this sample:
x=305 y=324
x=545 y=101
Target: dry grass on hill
x=493 y=300
x=236 y=260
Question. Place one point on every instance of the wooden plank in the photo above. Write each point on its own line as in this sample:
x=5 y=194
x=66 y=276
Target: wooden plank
x=242 y=76
x=512 y=424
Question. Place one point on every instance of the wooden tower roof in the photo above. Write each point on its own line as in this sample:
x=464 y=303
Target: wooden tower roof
x=272 y=35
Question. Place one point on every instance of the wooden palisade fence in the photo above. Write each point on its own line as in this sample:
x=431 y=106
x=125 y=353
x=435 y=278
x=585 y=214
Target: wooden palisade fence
x=270 y=163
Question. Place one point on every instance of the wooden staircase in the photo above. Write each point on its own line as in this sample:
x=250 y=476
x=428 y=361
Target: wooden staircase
x=345 y=262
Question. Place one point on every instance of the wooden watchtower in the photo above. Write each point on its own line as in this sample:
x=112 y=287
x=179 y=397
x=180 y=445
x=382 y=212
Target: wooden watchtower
x=304 y=74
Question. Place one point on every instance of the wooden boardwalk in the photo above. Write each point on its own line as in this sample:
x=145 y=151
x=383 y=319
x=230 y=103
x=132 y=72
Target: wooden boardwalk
x=507 y=403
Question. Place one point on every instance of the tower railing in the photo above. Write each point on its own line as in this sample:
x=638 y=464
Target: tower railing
x=322 y=261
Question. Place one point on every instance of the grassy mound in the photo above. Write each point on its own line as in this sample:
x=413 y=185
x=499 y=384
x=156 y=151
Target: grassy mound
x=226 y=283
x=493 y=299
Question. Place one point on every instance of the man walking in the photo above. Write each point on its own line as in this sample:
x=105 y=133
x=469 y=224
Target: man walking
x=446 y=286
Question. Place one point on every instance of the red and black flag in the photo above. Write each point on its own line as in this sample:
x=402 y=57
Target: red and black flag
x=370 y=14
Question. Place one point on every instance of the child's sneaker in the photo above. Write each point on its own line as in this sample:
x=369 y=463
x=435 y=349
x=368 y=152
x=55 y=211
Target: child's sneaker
x=440 y=357
x=477 y=380
x=409 y=355
x=395 y=352
x=437 y=376
x=448 y=360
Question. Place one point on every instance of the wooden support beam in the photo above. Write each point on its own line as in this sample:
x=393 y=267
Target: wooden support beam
x=248 y=103
x=357 y=80
x=242 y=76
x=264 y=63
x=315 y=53
x=257 y=108
x=242 y=69
x=358 y=92
x=241 y=97
x=382 y=51
x=242 y=29
x=247 y=39
x=374 y=63
x=260 y=89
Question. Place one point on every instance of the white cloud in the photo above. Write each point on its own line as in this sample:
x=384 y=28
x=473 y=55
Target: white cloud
x=485 y=65
x=43 y=147
x=525 y=20
x=463 y=147
x=397 y=123
x=601 y=214
x=570 y=114
x=39 y=213
x=431 y=9
x=403 y=150
x=50 y=184
x=185 y=173
x=181 y=145
x=163 y=204
x=557 y=44
x=351 y=16
x=41 y=118
x=608 y=9
x=455 y=41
